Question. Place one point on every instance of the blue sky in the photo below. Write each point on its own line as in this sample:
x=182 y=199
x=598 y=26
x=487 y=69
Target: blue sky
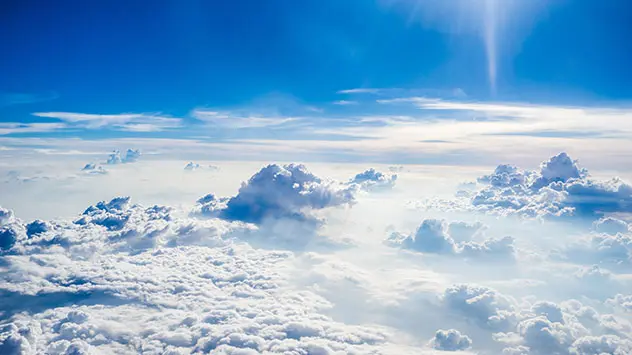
x=268 y=69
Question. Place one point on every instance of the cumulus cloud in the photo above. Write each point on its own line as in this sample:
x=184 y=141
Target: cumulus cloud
x=191 y=166
x=131 y=155
x=288 y=191
x=94 y=169
x=623 y=301
x=599 y=248
x=485 y=306
x=372 y=180
x=115 y=158
x=560 y=188
x=541 y=327
x=605 y=344
x=450 y=340
x=11 y=230
x=431 y=236
x=611 y=226
x=435 y=236
x=123 y=278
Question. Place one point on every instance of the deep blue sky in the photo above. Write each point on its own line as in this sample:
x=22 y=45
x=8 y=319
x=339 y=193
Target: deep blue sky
x=172 y=56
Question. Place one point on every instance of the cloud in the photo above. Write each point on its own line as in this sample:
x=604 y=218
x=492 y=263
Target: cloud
x=541 y=327
x=124 y=278
x=485 y=306
x=227 y=119
x=12 y=230
x=359 y=91
x=431 y=237
x=434 y=236
x=94 y=169
x=560 y=188
x=623 y=301
x=605 y=344
x=451 y=340
x=373 y=180
x=131 y=156
x=129 y=277
x=7 y=128
x=126 y=122
x=612 y=226
x=603 y=249
x=345 y=102
x=191 y=166
x=288 y=191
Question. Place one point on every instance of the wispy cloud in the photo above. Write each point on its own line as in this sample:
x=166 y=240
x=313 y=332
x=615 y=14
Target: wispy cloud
x=359 y=91
x=227 y=119
x=514 y=117
x=455 y=93
x=13 y=127
x=345 y=102
x=125 y=122
x=404 y=126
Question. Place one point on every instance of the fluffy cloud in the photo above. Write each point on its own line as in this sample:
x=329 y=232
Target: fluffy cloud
x=431 y=237
x=541 y=327
x=374 y=180
x=623 y=301
x=132 y=155
x=450 y=340
x=11 y=230
x=126 y=278
x=435 y=236
x=560 y=188
x=485 y=306
x=191 y=166
x=605 y=344
x=611 y=226
x=92 y=168
x=599 y=248
x=278 y=192
x=123 y=278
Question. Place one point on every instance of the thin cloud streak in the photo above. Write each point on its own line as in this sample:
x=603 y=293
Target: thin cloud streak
x=226 y=119
x=13 y=127
x=126 y=121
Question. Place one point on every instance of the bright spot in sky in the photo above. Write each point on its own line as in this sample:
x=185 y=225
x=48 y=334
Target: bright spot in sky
x=490 y=41
x=484 y=18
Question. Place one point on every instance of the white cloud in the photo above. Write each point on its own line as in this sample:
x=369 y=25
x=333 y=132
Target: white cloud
x=128 y=122
x=345 y=102
x=14 y=127
x=561 y=188
x=288 y=191
x=94 y=169
x=373 y=180
x=192 y=166
x=359 y=91
x=226 y=119
x=153 y=288
x=434 y=236
x=129 y=277
x=451 y=340
x=131 y=156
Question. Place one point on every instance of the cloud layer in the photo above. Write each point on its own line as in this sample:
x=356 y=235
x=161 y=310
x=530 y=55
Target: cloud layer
x=227 y=277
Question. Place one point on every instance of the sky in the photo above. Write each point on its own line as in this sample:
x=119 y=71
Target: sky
x=316 y=177
x=268 y=72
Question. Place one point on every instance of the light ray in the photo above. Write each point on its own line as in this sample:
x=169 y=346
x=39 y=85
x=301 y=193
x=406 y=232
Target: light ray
x=491 y=17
